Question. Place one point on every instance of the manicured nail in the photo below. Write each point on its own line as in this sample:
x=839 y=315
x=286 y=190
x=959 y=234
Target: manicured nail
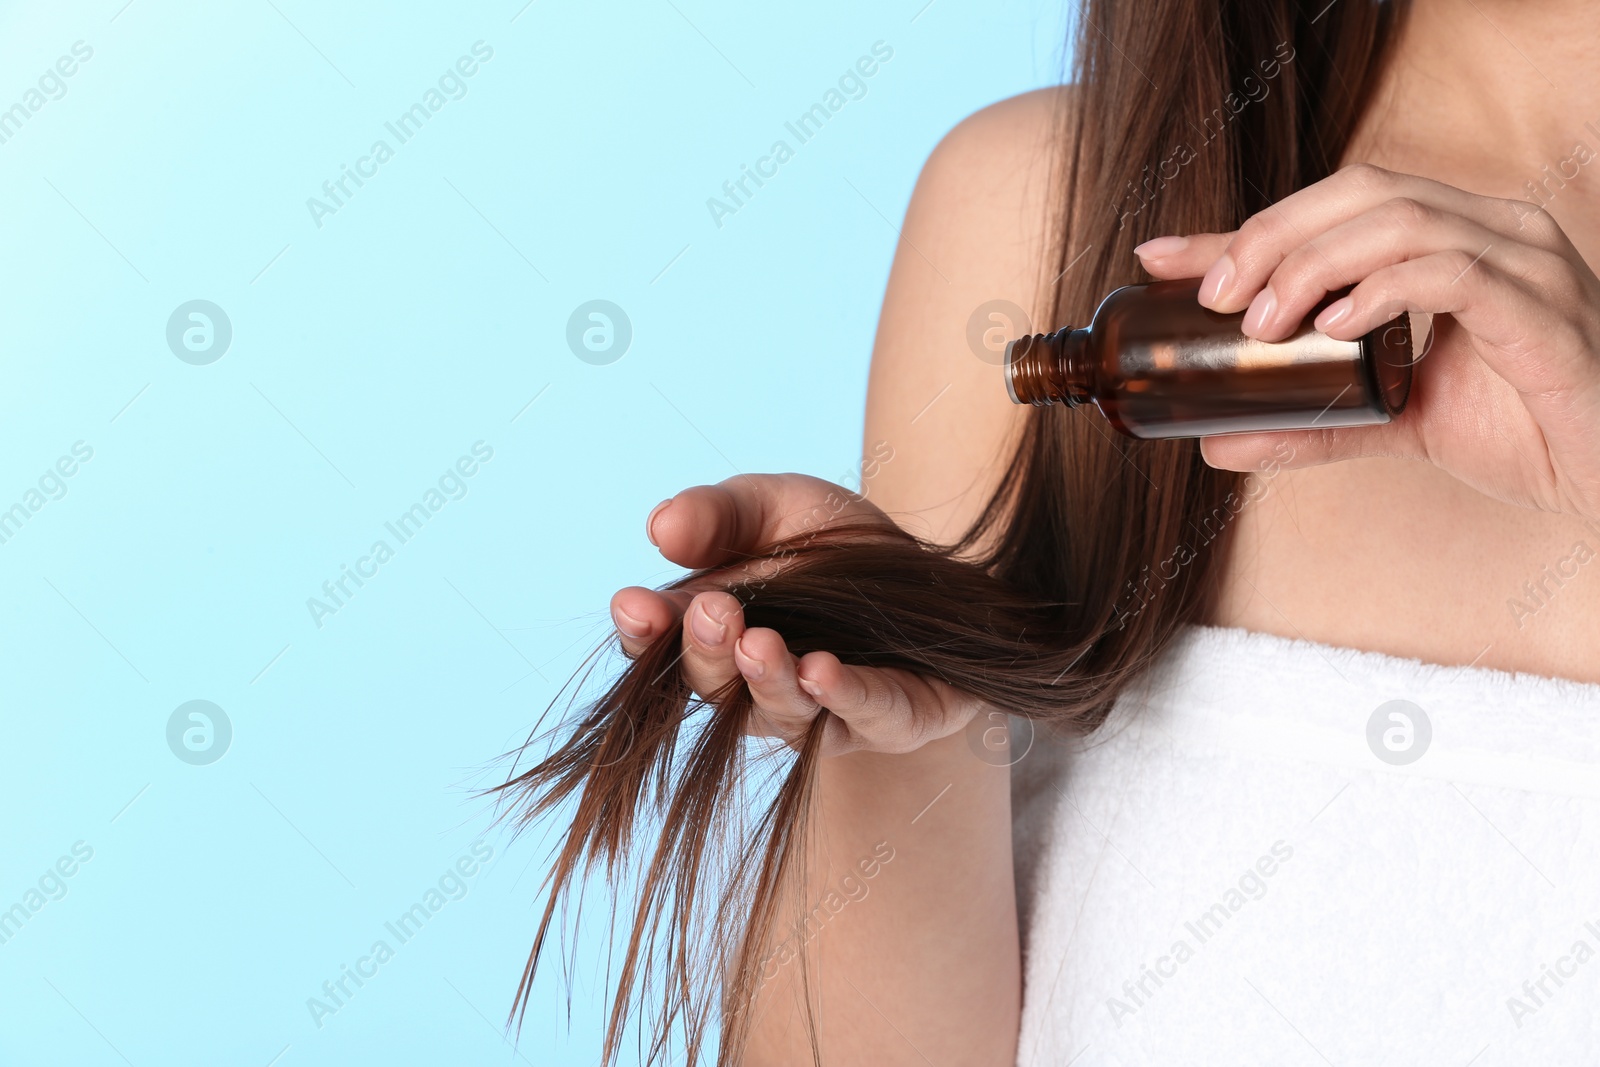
x=752 y=668
x=1216 y=281
x=1159 y=247
x=650 y=521
x=707 y=630
x=628 y=626
x=1333 y=313
x=1262 y=308
x=812 y=688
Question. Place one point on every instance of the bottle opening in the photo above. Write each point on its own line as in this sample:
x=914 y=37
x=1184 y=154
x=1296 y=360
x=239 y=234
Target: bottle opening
x=1011 y=370
x=1034 y=371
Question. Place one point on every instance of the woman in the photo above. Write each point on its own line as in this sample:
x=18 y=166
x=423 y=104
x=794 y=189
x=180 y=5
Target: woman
x=1331 y=898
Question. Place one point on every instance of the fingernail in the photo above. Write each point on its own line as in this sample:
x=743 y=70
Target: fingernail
x=1262 y=308
x=1216 y=281
x=753 y=669
x=811 y=687
x=1331 y=314
x=650 y=521
x=1157 y=247
x=627 y=625
x=707 y=630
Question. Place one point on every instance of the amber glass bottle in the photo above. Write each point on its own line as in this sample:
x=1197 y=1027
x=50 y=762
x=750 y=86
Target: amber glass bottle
x=1160 y=365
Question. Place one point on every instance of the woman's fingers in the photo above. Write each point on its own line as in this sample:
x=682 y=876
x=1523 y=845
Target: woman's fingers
x=1395 y=232
x=1538 y=354
x=711 y=525
x=1182 y=257
x=1309 y=448
x=707 y=525
x=881 y=709
x=782 y=708
x=714 y=525
x=1237 y=267
x=712 y=624
x=1267 y=237
x=640 y=616
x=884 y=710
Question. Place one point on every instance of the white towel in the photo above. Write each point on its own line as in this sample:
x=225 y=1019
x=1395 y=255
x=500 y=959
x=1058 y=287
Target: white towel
x=1243 y=867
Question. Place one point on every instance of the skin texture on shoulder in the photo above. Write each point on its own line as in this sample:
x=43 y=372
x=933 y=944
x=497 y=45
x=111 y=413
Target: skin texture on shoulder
x=925 y=958
x=976 y=238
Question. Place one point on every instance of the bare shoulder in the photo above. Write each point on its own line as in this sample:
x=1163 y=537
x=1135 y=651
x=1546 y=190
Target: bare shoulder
x=976 y=238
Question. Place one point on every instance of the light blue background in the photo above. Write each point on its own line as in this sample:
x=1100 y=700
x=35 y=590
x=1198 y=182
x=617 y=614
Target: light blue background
x=368 y=355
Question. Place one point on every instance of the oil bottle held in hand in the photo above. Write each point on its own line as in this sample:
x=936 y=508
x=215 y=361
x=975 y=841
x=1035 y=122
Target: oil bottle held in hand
x=1158 y=364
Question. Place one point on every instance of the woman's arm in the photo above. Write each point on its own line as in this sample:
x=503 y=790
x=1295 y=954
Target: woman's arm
x=918 y=961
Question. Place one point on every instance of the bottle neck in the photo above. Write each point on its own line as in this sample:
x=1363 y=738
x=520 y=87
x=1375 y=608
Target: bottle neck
x=1050 y=368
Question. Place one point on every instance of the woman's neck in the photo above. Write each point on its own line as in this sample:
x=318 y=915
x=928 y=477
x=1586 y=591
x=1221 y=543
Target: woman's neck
x=1493 y=88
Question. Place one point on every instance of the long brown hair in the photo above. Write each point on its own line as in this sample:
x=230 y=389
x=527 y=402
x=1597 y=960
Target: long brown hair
x=1186 y=116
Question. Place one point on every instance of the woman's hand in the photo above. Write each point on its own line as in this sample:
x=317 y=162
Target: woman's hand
x=883 y=710
x=1508 y=396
